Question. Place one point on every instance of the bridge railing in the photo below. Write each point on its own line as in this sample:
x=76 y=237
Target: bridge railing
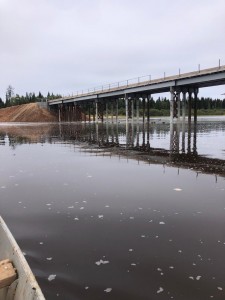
x=139 y=81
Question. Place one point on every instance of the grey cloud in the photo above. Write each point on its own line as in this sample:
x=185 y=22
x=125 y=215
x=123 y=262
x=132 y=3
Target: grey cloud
x=67 y=45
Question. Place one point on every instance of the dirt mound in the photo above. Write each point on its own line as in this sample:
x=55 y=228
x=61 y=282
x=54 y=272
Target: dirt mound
x=31 y=112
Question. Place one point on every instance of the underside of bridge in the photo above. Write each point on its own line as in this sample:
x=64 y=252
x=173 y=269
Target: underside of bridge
x=102 y=104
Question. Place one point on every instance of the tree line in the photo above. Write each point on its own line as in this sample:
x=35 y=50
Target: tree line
x=160 y=106
x=12 y=99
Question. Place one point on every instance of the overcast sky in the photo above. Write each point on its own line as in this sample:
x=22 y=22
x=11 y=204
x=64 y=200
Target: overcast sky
x=62 y=46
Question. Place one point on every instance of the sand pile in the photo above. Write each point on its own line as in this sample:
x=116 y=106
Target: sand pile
x=31 y=112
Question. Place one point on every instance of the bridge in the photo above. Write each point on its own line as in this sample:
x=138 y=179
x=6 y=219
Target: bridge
x=183 y=90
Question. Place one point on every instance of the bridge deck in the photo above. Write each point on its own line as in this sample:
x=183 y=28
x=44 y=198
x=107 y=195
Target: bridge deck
x=200 y=78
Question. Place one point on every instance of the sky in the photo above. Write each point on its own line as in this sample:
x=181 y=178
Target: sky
x=62 y=46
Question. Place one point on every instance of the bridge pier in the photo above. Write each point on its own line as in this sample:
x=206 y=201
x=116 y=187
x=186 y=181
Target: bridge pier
x=106 y=111
x=116 y=111
x=143 y=105
x=189 y=105
x=148 y=108
x=96 y=111
x=137 y=109
x=184 y=105
x=195 y=104
x=126 y=107
x=112 y=110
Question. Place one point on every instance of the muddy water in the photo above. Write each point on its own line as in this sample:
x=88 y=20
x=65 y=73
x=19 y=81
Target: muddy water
x=118 y=212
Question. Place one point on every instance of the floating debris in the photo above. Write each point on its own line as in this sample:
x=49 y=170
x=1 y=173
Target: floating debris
x=51 y=277
x=108 y=290
x=177 y=189
x=103 y=262
x=160 y=290
x=162 y=223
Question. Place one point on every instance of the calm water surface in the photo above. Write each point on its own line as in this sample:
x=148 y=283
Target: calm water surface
x=118 y=212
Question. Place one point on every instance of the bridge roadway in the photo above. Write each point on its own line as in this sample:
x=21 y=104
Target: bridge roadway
x=142 y=87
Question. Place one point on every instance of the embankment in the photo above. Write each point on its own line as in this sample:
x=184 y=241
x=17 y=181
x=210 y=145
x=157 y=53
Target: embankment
x=30 y=112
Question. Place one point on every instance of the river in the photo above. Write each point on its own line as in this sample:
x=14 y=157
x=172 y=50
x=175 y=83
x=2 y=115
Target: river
x=116 y=211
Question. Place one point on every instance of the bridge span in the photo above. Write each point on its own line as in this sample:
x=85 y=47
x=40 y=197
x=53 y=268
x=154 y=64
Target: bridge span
x=183 y=90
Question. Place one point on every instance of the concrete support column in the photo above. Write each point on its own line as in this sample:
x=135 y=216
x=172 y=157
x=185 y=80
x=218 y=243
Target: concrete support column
x=59 y=109
x=132 y=110
x=148 y=108
x=178 y=106
x=116 y=110
x=96 y=111
x=184 y=106
x=143 y=99
x=106 y=111
x=172 y=96
x=137 y=109
x=189 y=106
x=126 y=107
x=195 y=104
x=112 y=110
x=75 y=112
x=89 y=113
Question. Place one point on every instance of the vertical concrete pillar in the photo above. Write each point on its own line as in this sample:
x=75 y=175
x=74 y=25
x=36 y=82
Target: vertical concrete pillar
x=178 y=106
x=59 y=109
x=184 y=106
x=96 y=112
x=148 y=108
x=106 y=111
x=75 y=112
x=116 y=110
x=137 y=109
x=143 y=104
x=126 y=107
x=112 y=110
x=189 y=106
x=172 y=96
x=195 y=104
x=89 y=112
x=132 y=110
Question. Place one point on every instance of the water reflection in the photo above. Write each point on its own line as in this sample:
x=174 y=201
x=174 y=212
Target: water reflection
x=162 y=143
x=111 y=229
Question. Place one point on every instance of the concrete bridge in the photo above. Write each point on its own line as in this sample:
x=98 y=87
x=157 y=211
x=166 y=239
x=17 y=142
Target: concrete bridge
x=183 y=89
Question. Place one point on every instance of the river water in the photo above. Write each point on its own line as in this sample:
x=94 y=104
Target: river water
x=118 y=211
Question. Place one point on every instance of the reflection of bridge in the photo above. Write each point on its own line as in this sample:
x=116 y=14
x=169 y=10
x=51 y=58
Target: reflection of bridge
x=97 y=100
x=132 y=141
